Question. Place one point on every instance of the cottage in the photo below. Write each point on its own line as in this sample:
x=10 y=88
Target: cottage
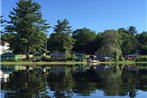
x=58 y=55
x=79 y=56
x=131 y=56
x=103 y=57
x=9 y=57
x=4 y=47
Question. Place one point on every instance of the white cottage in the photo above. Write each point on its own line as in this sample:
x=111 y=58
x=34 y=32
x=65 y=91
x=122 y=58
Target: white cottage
x=4 y=47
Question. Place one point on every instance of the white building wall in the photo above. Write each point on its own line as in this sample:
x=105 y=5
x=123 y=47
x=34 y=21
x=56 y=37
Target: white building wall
x=4 y=47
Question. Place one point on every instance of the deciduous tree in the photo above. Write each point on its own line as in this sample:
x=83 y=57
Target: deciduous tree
x=85 y=38
x=111 y=44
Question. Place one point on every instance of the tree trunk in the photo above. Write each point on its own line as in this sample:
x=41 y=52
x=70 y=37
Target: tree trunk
x=27 y=57
x=27 y=53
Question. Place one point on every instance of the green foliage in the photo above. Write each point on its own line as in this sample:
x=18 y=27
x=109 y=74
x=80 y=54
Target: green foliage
x=46 y=59
x=118 y=54
x=129 y=41
x=28 y=27
x=1 y=20
x=142 y=38
x=84 y=35
x=132 y=30
x=61 y=40
x=30 y=82
x=111 y=44
x=121 y=58
x=7 y=37
x=141 y=59
x=81 y=57
x=2 y=25
x=9 y=59
x=27 y=33
x=85 y=38
x=73 y=56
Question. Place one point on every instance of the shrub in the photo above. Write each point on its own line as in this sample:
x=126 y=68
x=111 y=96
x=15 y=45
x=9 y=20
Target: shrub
x=92 y=57
x=72 y=58
x=102 y=60
x=8 y=59
x=121 y=58
x=141 y=59
x=45 y=59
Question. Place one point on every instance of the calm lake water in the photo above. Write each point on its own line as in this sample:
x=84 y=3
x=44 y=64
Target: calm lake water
x=73 y=81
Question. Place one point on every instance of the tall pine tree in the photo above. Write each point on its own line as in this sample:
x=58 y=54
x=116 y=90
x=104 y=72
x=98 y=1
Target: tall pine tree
x=61 y=40
x=28 y=26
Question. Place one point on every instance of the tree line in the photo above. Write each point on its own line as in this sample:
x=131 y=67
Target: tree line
x=27 y=33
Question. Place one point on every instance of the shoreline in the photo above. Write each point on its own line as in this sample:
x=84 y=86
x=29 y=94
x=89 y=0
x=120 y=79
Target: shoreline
x=44 y=63
x=70 y=63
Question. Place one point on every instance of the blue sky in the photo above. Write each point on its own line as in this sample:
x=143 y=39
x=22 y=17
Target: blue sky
x=97 y=15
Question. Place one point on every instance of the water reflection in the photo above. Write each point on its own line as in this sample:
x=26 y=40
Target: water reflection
x=70 y=81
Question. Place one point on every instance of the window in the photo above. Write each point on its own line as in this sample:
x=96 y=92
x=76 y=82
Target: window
x=2 y=43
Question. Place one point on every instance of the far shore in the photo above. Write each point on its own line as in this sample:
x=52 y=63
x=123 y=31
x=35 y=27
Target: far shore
x=43 y=63
x=69 y=63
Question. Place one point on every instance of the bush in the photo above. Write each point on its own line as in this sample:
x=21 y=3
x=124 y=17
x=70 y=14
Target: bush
x=92 y=57
x=82 y=57
x=107 y=59
x=72 y=58
x=45 y=59
x=10 y=59
x=141 y=59
x=121 y=58
x=102 y=60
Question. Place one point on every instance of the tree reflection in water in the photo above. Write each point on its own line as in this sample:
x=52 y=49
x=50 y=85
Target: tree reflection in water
x=25 y=84
x=66 y=81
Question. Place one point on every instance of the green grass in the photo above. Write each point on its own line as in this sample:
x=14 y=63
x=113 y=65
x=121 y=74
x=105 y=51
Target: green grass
x=143 y=56
x=127 y=62
x=43 y=63
x=69 y=62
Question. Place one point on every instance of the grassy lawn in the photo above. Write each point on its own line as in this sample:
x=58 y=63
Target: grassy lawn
x=127 y=62
x=44 y=63
x=69 y=63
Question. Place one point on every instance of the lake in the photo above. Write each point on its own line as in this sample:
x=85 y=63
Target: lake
x=73 y=81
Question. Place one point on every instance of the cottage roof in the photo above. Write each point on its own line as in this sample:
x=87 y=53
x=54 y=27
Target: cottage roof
x=8 y=54
x=57 y=53
x=2 y=42
x=134 y=54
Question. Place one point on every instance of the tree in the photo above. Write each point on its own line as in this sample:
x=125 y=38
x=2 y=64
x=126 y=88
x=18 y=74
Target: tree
x=129 y=42
x=111 y=44
x=61 y=40
x=84 y=39
x=7 y=37
x=142 y=39
x=132 y=30
x=28 y=27
x=25 y=84
x=2 y=24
